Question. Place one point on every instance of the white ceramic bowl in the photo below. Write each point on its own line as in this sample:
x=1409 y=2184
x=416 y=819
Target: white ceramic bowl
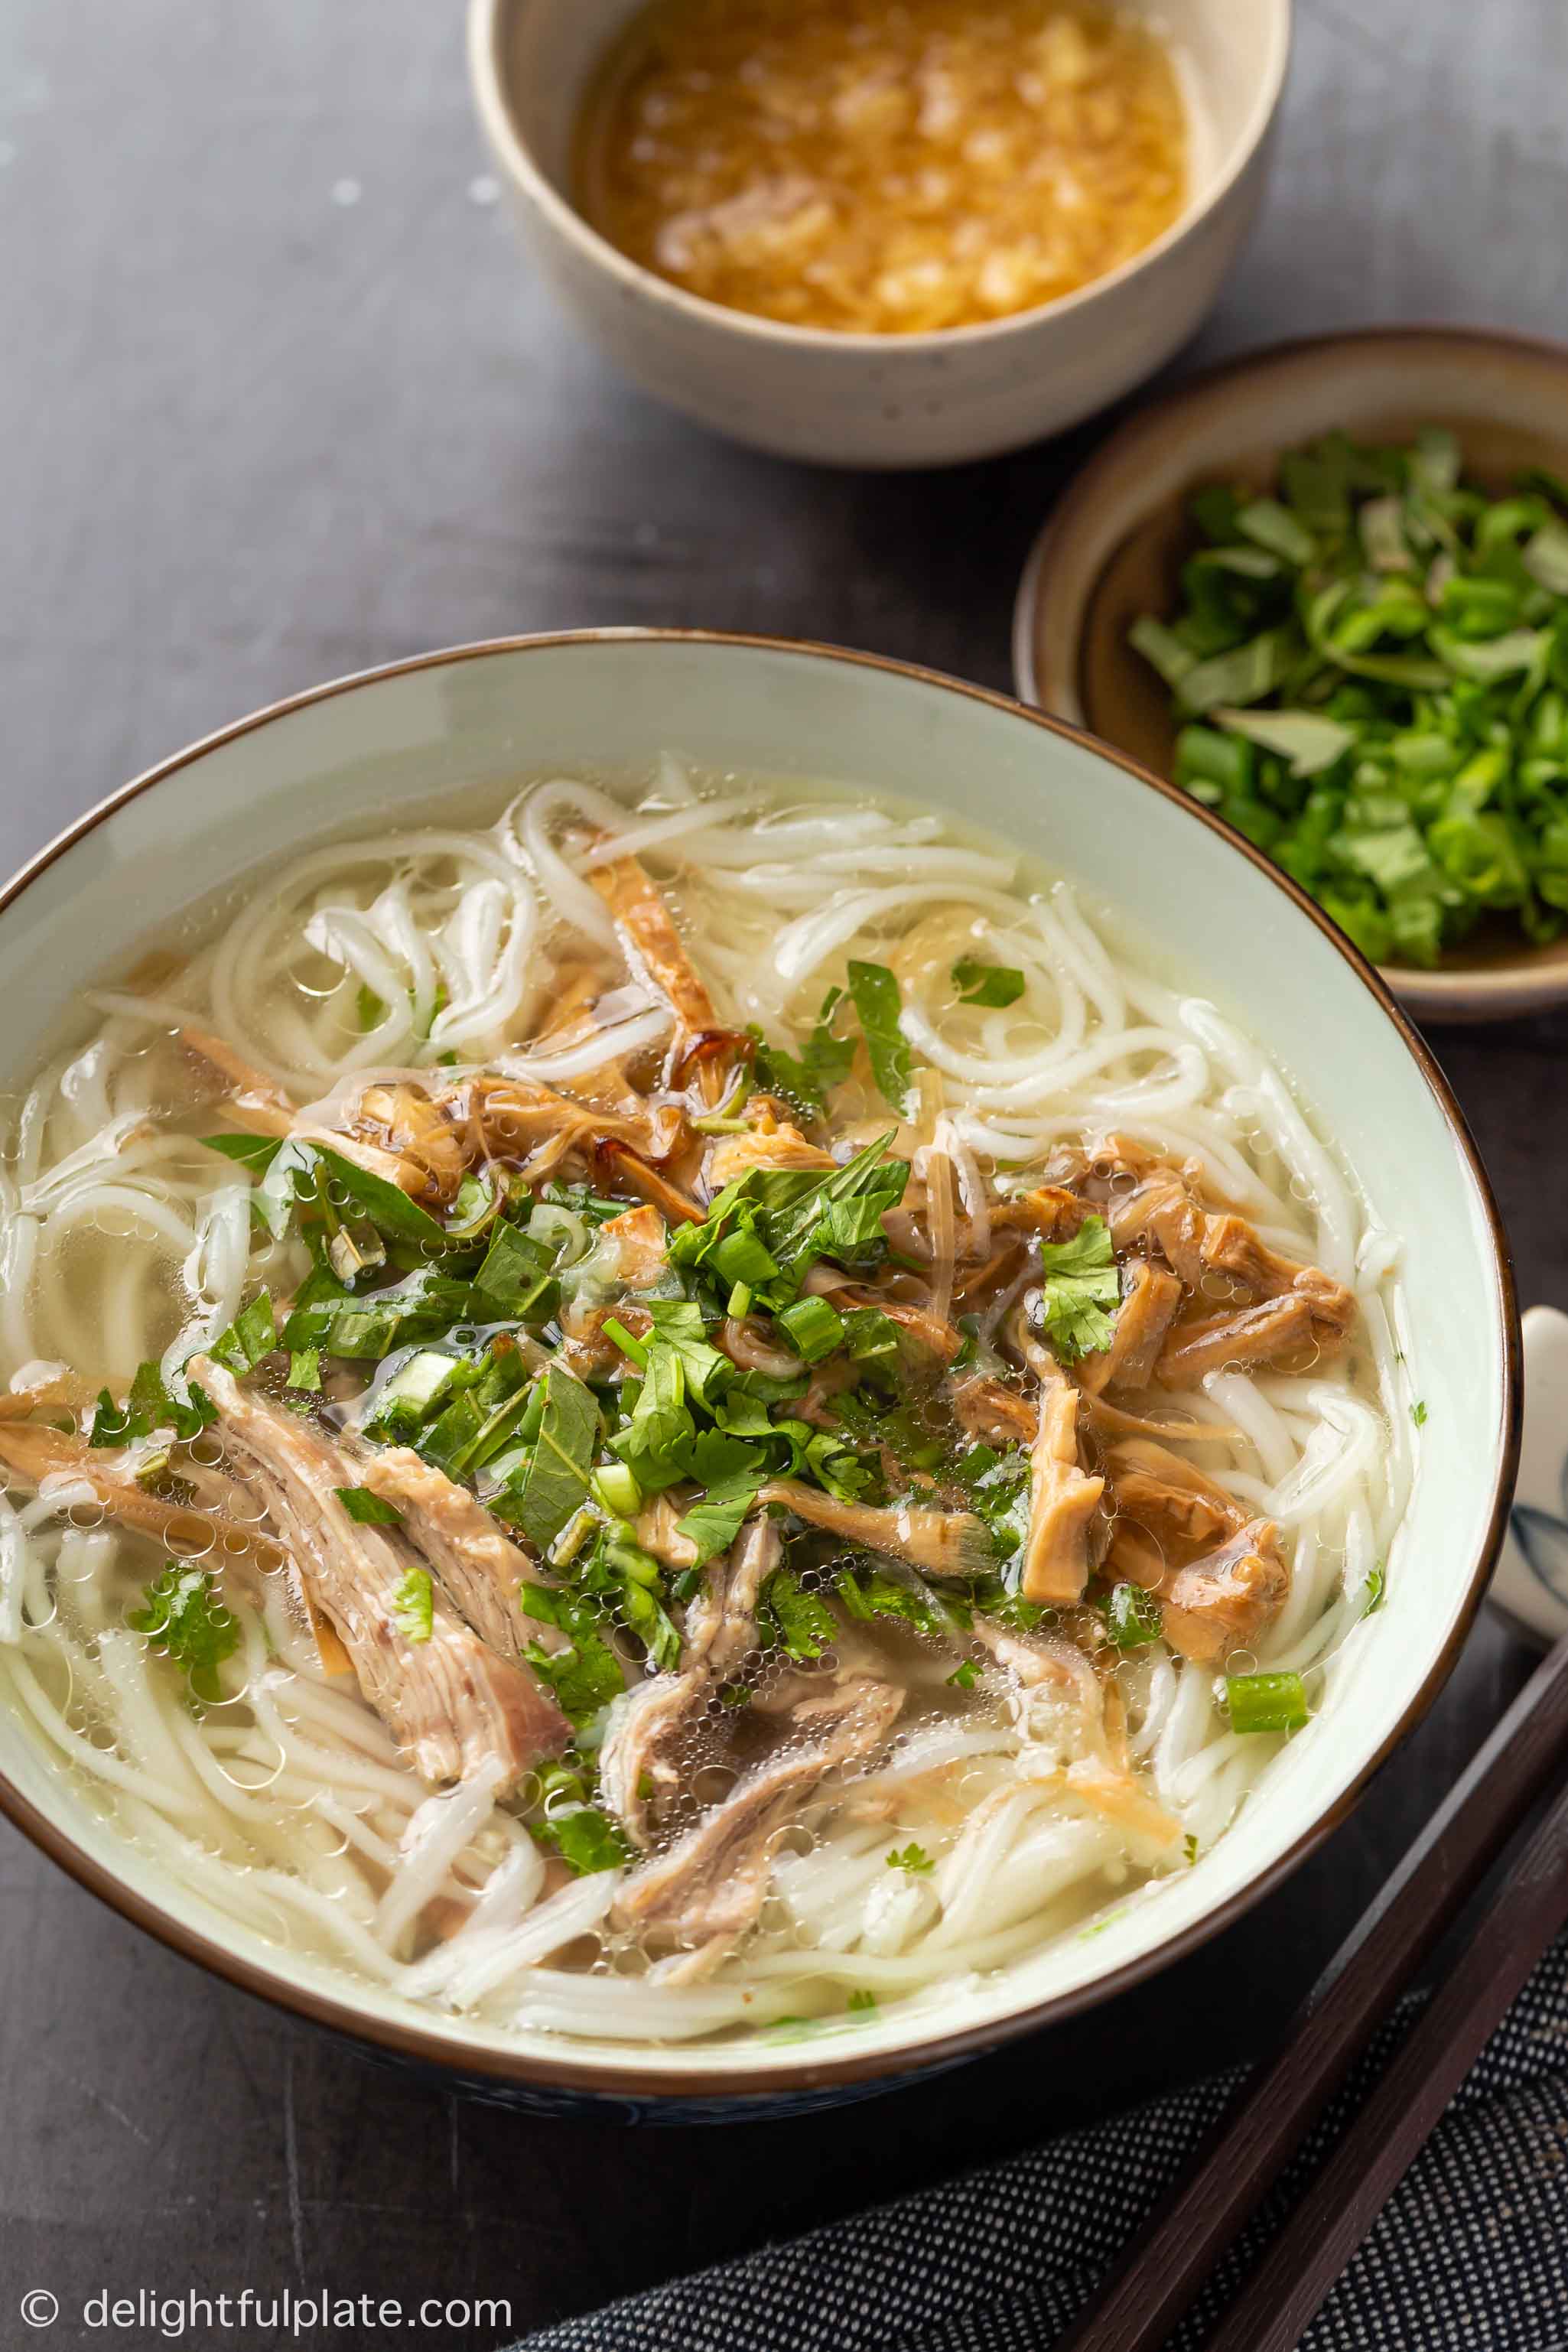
x=356 y=753
x=882 y=400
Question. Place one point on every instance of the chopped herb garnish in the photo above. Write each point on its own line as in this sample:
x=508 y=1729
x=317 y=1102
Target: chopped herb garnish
x=305 y=1368
x=860 y=2000
x=370 y=1510
x=713 y=1524
x=585 y=1839
x=1267 y=1701
x=255 y=1152
x=1374 y=1589
x=812 y=1328
x=184 y=1617
x=992 y=985
x=1131 y=1617
x=414 y=1606
x=252 y=1335
x=799 y=1622
x=553 y=1482
x=585 y=1676
x=1418 y=1414
x=1190 y=1845
x=1373 y=670
x=912 y=1858
x=875 y=992
x=966 y=1677
x=1081 y=1283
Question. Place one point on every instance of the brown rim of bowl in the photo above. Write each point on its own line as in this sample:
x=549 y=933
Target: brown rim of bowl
x=498 y=120
x=810 y=2074
x=1497 y=992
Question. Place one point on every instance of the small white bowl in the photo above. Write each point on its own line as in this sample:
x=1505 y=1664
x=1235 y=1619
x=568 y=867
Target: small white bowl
x=882 y=400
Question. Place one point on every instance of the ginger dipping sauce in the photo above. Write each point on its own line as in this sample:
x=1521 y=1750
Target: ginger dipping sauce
x=883 y=166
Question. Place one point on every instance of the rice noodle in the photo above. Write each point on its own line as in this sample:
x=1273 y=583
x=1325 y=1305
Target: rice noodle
x=288 y=1806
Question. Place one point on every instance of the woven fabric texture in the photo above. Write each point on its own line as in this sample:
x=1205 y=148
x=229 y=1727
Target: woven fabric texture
x=1472 y=2251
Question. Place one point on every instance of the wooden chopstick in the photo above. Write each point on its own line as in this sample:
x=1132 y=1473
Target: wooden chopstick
x=1273 y=2110
x=1302 y=2263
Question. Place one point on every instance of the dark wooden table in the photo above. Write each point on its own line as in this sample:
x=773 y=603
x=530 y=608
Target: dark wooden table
x=279 y=400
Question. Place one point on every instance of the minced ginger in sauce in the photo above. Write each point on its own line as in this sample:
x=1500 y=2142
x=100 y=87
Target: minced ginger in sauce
x=883 y=166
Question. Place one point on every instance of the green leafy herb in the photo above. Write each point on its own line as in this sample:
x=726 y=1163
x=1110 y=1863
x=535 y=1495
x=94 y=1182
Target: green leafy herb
x=912 y=1858
x=518 y=1276
x=966 y=1677
x=414 y=1606
x=1131 y=1617
x=252 y=1335
x=1081 y=1283
x=255 y=1152
x=1418 y=1413
x=370 y=1510
x=1373 y=665
x=585 y=1839
x=305 y=1368
x=1190 y=1846
x=553 y=1482
x=585 y=1676
x=1375 y=1589
x=994 y=984
x=860 y=2001
x=799 y=1622
x=875 y=992
x=388 y=1207
x=184 y=1617
x=812 y=1328
x=1267 y=1701
x=713 y=1524
x=369 y=1006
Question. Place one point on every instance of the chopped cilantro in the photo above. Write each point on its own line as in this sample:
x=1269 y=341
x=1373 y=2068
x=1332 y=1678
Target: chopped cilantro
x=1418 y=1413
x=912 y=1858
x=586 y=1675
x=966 y=1677
x=1081 y=1281
x=585 y=1839
x=185 y=1619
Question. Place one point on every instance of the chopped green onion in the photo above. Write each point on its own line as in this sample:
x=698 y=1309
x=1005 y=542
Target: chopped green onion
x=1267 y=1701
x=812 y=1328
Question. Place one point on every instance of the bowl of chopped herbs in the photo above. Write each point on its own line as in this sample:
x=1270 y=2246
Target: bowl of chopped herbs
x=1325 y=590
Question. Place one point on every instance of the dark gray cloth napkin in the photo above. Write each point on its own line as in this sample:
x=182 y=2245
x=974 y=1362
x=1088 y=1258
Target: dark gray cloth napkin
x=1471 y=2253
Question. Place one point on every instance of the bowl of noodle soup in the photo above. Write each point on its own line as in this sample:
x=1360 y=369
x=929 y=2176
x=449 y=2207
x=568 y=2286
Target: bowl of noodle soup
x=720 y=1367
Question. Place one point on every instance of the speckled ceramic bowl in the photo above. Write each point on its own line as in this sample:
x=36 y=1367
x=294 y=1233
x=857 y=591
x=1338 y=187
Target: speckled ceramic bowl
x=360 y=751
x=1115 y=545
x=882 y=400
